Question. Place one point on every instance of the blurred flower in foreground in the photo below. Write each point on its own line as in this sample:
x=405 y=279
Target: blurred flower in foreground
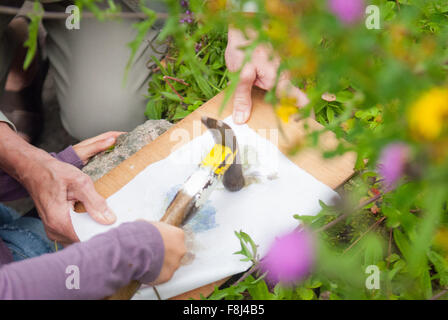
x=441 y=240
x=392 y=163
x=290 y=258
x=427 y=115
x=188 y=17
x=348 y=11
x=198 y=46
x=184 y=3
x=286 y=108
x=328 y=97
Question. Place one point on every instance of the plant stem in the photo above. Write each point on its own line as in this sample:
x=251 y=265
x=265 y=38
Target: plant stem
x=362 y=235
x=62 y=15
x=176 y=79
x=389 y=249
x=247 y=273
x=167 y=79
x=156 y=292
x=439 y=295
x=345 y=215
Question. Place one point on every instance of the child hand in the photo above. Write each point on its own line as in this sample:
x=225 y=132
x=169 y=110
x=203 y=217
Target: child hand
x=90 y=147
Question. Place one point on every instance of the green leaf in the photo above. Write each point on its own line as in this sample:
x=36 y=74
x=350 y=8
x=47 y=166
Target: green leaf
x=330 y=115
x=441 y=266
x=153 y=110
x=246 y=239
x=260 y=291
x=305 y=293
x=402 y=243
x=180 y=113
x=142 y=28
x=33 y=32
x=171 y=96
x=283 y=293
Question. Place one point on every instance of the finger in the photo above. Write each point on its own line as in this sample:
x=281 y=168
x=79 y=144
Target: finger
x=286 y=89
x=267 y=75
x=242 y=101
x=102 y=136
x=84 y=191
x=85 y=152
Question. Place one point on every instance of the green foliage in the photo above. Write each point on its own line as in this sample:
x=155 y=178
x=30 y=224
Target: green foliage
x=363 y=85
x=33 y=31
x=200 y=86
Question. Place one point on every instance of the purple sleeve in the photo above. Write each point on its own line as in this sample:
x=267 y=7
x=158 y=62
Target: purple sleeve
x=107 y=262
x=11 y=189
x=69 y=155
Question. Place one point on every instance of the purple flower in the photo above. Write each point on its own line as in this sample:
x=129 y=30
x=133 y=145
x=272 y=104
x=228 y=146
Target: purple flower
x=348 y=11
x=290 y=258
x=392 y=163
x=198 y=46
x=184 y=3
x=188 y=17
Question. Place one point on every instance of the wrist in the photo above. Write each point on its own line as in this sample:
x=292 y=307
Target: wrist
x=17 y=157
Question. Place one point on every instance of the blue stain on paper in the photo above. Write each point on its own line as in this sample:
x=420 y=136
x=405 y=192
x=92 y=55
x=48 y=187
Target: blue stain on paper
x=203 y=220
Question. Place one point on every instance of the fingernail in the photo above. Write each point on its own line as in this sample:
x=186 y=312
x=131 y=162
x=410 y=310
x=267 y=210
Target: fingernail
x=109 y=216
x=110 y=141
x=239 y=117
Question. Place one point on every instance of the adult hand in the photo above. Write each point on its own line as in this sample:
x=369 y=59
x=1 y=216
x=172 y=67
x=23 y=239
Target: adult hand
x=175 y=249
x=54 y=185
x=260 y=71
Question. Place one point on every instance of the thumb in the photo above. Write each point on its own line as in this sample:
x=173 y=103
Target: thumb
x=96 y=205
x=242 y=101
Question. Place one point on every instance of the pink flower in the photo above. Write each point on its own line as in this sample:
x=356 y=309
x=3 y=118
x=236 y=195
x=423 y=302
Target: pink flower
x=348 y=11
x=290 y=258
x=392 y=163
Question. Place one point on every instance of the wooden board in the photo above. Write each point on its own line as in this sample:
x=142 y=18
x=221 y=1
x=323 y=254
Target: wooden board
x=332 y=172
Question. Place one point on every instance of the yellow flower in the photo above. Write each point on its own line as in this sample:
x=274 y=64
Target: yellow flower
x=286 y=108
x=217 y=5
x=295 y=47
x=427 y=115
x=441 y=238
x=278 y=30
x=441 y=241
x=278 y=8
x=301 y=60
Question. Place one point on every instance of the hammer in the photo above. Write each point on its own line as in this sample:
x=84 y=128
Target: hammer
x=222 y=162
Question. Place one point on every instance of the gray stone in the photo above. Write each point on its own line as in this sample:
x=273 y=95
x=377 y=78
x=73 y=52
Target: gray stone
x=126 y=145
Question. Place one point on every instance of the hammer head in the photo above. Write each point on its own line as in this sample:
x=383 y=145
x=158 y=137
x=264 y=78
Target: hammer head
x=223 y=134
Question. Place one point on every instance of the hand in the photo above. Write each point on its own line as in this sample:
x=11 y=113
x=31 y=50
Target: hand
x=79 y=187
x=53 y=185
x=261 y=71
x=90 y=147
x=174 y=241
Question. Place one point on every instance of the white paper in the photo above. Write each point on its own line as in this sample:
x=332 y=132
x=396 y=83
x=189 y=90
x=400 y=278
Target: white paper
x=263 y=209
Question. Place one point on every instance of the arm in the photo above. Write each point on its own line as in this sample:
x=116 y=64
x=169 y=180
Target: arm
x=52 y=184
x=11 y=189
x=133 y=251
